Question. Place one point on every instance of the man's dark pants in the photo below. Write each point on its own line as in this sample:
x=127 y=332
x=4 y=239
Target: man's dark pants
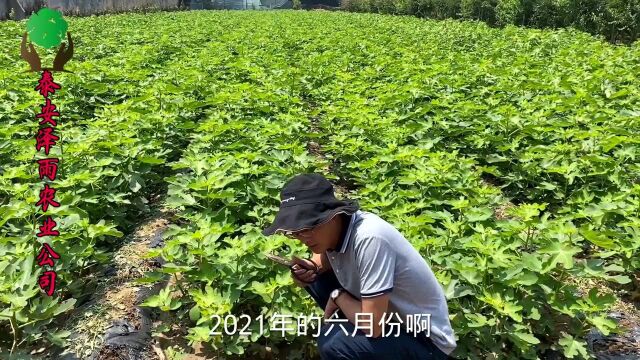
x=338 y=345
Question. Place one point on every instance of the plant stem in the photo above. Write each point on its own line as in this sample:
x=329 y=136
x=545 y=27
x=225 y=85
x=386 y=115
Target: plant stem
x=28 y=323
x=178 y=284
x=14 y=329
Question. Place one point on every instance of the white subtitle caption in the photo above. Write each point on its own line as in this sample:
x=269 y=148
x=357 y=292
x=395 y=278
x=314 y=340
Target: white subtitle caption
x=391 y=324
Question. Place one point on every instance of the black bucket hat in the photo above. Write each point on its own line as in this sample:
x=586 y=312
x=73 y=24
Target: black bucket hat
x=307 y=200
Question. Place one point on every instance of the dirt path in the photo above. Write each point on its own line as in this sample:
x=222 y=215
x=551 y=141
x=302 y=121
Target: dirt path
x=111 y=325
x=342 y=187
x=626 y=312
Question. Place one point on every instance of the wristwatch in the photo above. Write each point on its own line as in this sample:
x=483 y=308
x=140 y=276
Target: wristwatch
x=336 y=293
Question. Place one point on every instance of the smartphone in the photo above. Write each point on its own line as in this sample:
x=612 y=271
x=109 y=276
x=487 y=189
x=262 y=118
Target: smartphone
x=280 y=260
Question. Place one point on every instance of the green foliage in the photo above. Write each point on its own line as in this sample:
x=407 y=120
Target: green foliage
x=616 y=20
x=438 y=125
x=430 y=131
x=508 y=12
x=117 y=131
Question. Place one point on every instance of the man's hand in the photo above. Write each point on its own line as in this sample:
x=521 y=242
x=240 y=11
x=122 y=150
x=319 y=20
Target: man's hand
x=330 y=308
x=303 y=271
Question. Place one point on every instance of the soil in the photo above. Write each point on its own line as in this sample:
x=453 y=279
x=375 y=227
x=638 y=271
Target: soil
x=111 y=325
x=626 y=312
x=342 y=187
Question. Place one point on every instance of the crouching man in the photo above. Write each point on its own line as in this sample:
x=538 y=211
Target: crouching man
x=362 y=265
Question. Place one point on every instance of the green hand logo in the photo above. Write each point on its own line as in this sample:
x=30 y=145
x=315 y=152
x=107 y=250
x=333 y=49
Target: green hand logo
x=47 y=28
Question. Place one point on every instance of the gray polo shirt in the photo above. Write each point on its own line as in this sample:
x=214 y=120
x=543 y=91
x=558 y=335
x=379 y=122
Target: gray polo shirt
x=374 y=258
